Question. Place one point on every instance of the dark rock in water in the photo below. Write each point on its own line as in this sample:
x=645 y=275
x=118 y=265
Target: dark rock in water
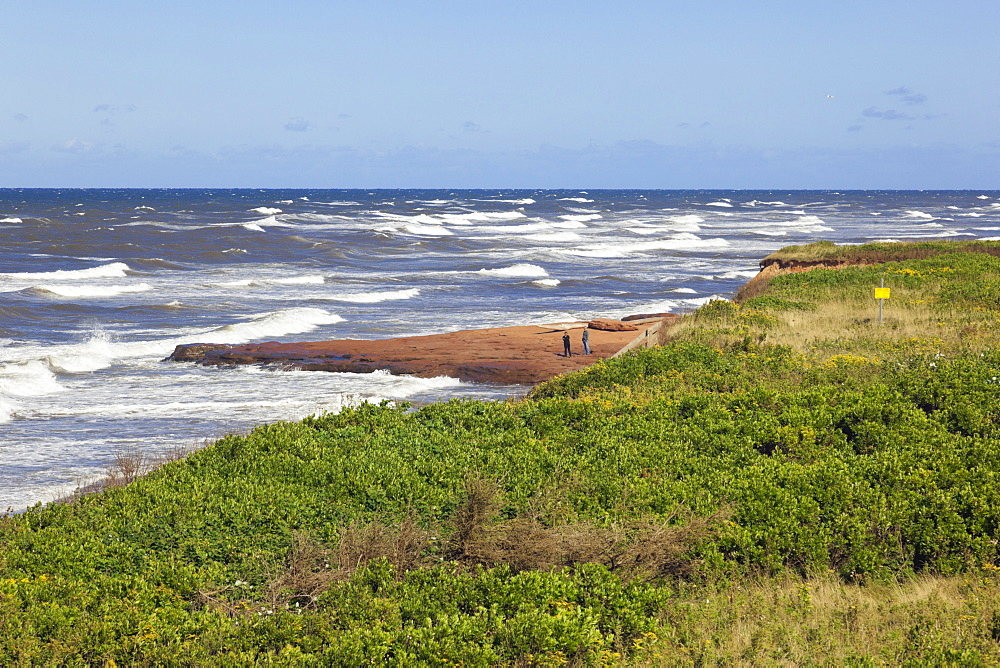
x=608 y=325
x=644 y=316
x=194 y=352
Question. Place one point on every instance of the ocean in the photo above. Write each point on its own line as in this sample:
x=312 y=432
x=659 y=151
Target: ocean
x=98 y=286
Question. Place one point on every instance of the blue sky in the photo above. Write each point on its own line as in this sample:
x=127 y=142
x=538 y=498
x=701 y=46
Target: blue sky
x=544 y=94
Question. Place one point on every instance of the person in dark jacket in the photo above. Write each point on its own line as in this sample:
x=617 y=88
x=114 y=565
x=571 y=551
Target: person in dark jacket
x=567 y=352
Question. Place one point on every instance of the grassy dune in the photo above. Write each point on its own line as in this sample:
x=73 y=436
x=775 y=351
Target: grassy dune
x=783 y=481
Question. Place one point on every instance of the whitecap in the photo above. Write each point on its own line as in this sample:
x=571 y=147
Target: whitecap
x=266 y=210
x=273 y=323
x=95 y=353
x=555 y=236
x=582 y=200
x=428 y=230
x=28 y=379
x=721 y=204
x=928 y=225
x=8 y=408
x=682 y=241
x=568 y=224
x=671 y=305
x=582 y=218
x=802 y=224
x=270 y=221
x=11 y=219
x=476 y=217
x=547 y=282
x=372 y=297
x=113 y=270
x=982 y=197
x=102 y=349
x=689 y=223
x=971 y=215
x=77 y=290
x=516 y=229
x=526 y=200
x=520 y=270
x=919 y=214
x=686 y=291
x=739 y=273
x=253 y=227
x=312 y=279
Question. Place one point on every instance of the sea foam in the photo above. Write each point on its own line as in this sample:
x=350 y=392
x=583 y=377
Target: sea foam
x=274 y=323
x=113 y=270
x=92 y=290
x=372 y=297
x=517 y=270
x=28 y=379
x=682 y=241
x=313 y=279
x=555 y=236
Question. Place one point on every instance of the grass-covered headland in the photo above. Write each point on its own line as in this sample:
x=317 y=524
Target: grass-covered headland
x=784 y=480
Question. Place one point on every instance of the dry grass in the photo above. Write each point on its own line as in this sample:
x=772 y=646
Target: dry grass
x=844 y=327
x=823 y=621
x=127 y=466
x=639 y=549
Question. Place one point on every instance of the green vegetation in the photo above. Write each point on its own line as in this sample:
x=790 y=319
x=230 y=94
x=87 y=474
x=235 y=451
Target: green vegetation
x=879 y=251
x=784 y=480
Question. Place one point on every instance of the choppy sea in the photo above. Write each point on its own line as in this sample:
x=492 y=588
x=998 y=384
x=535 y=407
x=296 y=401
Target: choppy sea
x=98 y=286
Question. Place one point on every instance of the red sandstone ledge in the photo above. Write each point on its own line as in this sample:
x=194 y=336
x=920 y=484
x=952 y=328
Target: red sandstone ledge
x=525 y=355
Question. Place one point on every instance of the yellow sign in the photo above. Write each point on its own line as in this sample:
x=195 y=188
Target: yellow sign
x=881 y=293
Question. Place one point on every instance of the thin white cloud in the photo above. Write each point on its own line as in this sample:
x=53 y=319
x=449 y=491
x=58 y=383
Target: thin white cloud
x=75 y=146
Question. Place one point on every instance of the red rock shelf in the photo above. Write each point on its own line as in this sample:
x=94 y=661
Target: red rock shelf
x=509 y=355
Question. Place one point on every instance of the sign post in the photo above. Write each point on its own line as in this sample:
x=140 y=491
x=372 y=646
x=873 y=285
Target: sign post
x=881 y=294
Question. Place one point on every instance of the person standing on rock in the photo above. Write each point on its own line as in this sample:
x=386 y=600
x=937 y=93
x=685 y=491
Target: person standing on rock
x=567 y=352
x=586 y=341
